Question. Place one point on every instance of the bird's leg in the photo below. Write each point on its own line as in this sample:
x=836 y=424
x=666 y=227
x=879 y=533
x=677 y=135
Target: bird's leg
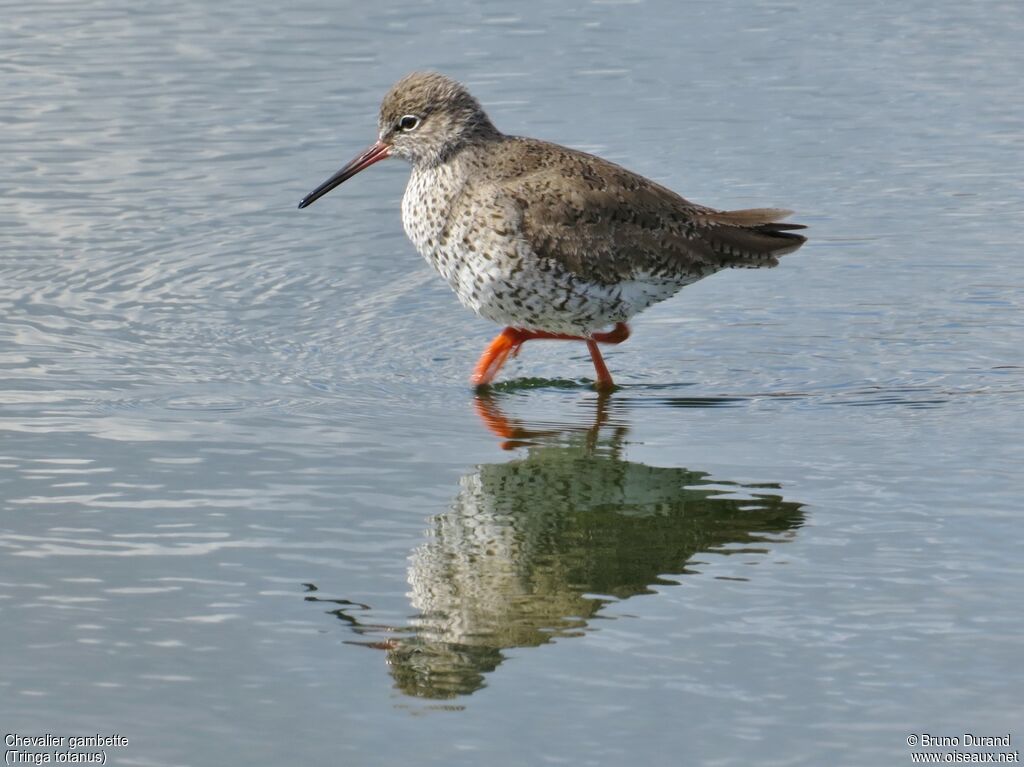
x=604 y=378
x=506 y=342
x=616 y=335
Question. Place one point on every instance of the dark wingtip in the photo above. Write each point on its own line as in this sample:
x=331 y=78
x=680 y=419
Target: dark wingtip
x=777 y=227
x=303 y=203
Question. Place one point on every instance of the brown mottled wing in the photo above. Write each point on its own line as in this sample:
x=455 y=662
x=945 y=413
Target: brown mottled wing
x=607 y=224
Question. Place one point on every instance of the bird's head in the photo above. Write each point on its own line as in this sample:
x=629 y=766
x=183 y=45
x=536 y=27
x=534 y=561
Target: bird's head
x=425 y=119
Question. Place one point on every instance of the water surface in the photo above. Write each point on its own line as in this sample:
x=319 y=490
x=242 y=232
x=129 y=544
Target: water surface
x=250 y=512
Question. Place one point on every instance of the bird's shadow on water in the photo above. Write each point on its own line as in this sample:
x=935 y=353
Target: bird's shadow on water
x=650 y=394
x=533 y=548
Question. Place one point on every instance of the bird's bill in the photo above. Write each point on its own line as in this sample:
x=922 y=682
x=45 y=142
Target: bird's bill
x=375 y=153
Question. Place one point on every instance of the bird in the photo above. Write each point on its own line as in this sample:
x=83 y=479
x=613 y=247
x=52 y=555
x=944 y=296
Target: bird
x=551 y=242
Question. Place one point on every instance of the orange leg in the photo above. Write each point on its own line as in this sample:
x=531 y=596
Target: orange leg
x=506 y=342
x=510 y=339
x=604 y=378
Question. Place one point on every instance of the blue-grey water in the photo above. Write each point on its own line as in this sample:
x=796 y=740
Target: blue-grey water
x=251 y=512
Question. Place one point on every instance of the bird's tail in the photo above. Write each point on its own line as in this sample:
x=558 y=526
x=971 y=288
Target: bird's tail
x=750 y=238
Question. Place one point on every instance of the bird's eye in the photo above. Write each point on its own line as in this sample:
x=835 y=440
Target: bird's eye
x=408 y=123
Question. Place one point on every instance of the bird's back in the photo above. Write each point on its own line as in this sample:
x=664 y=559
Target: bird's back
x=605 y=223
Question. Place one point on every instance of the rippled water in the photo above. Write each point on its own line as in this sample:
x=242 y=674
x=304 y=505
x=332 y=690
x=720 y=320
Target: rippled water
x=252 y=514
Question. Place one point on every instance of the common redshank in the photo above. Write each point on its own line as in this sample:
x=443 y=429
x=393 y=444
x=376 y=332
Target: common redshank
x=551 y=242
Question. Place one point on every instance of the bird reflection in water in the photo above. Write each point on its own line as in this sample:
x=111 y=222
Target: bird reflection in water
x=533 y=548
